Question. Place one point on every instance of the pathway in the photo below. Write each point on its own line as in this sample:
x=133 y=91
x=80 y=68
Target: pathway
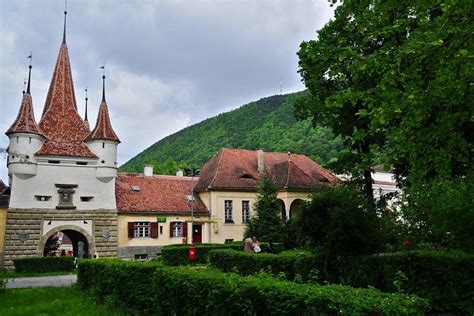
x=56 y=281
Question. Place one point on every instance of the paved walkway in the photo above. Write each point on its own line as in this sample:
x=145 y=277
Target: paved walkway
x=56 y=281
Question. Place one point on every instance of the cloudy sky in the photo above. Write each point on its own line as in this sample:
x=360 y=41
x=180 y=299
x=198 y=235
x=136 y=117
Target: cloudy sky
x=169 y=64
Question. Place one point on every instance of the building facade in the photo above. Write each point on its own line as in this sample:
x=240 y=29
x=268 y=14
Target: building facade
x=61 y=174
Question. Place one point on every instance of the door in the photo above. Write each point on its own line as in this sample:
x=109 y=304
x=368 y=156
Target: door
x=197 y=233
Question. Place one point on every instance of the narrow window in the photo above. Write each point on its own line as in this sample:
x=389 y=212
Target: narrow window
x=30 y=140
x=87 y=198
x=161 y=230
x=245 y=211
x=228 y=211
x=81 y=163
x=103 y=145
x=141 y=257
x=43 y=198
x=176 y=229
x=54 y=161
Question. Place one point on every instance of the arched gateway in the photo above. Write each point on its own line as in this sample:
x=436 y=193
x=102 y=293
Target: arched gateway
x=81 y=242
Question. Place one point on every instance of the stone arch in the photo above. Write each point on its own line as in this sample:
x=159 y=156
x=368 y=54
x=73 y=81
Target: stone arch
x=295 y=207
x=51 y=232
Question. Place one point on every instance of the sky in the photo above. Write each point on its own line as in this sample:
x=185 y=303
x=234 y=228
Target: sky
x=169 y=64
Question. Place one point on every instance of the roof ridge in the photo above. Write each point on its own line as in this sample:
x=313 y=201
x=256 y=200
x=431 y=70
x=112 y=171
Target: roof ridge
x=217 y=168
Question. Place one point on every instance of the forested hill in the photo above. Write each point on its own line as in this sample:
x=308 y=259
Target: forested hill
x=267 y=124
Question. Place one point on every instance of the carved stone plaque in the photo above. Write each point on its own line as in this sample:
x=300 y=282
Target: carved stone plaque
x=23 y=236
x=105 y=233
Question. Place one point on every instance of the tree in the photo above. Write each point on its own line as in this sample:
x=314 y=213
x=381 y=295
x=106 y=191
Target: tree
x=395 y=79
x=337 y=222
x=266 y=222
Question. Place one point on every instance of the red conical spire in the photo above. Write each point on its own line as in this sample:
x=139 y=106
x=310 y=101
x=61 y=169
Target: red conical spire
x=103 y=128
x=60 y=122
x=25 y=121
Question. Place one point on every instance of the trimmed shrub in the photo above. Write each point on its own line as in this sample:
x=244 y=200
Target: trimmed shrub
x=445 y=279
x=127 y=284
x=291 y=263
x=203 y=291
x=185 y=291
x=176 y=255
x=43 y=264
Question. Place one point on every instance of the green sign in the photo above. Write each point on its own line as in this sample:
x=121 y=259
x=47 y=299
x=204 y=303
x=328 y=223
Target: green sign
x=161 y=219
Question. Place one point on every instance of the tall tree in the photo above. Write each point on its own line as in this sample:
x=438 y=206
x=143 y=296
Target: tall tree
x=266 y=222
x=395 y=79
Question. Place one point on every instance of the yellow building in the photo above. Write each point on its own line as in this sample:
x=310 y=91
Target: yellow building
x=228 y=186
x=4 y=199
x=154 y=211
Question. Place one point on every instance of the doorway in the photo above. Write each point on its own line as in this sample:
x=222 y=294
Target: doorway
x=197 y=233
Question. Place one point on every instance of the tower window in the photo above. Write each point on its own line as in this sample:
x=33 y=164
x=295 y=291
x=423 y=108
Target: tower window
x=81 y=163
x=103 y=145
x=43 y=198
x=54 y=161
x=30 y=140
x=87 y=198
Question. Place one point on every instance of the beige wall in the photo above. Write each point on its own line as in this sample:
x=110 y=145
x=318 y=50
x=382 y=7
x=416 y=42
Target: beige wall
x=164 y=238
x=3 y=221
x=214 y=201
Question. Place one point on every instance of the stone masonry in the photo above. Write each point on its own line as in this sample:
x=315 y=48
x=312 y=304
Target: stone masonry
x=28 y=224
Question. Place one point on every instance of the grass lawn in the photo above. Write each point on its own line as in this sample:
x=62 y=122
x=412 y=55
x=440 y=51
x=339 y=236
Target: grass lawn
x=50 y=301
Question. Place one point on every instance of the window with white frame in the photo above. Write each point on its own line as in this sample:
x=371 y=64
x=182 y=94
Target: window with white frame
x=228 y=211
x=176 y=229
x=245 y=211
x=141 y=229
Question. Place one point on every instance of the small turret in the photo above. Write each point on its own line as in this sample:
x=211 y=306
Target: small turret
x=25 y=137
x=103 y=141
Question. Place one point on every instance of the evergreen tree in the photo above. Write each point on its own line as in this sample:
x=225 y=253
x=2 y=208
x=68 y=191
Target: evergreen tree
x=266 y=223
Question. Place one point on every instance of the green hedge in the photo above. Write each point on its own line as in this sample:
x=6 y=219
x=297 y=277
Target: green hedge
x=291 y=263
x=203 y=291
x=176 y=255
x=43 y=264
x=446 y=279
x=128 y=284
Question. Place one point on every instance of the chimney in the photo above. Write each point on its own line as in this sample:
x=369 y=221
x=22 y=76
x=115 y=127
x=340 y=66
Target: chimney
x=179 y=173
x=148 y=171
x=260 y=160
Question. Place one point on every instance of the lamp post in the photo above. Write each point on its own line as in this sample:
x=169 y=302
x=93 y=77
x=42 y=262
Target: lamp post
x=194 y=172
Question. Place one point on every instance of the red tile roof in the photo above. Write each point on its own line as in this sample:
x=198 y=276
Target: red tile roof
x=25 y=121
x=60 y=122
x=158 y=194
x=103 y=128
x=237 y=169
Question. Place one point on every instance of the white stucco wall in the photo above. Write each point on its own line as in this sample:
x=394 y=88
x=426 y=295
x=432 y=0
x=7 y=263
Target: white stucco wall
x=68 y=172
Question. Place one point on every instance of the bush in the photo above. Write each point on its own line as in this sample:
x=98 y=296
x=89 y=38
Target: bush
x=289 y=263
x=176 y=255
x=202 y=291
x=445 y=279
x=127 y=284
x=43 y=264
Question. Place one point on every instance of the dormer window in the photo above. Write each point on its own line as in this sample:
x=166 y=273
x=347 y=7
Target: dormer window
x=135 y=188
x=247 y=176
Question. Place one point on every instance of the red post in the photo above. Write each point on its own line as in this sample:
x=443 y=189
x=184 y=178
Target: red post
x=192 y=253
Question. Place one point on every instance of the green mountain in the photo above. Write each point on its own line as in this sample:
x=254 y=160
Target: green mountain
x=267 y=124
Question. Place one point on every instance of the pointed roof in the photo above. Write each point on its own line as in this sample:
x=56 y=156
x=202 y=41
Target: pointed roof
x=25 y=121
x=238 y=169
x=103 y=128
x=61 y=123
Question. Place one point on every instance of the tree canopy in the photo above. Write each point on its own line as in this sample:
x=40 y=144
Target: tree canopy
x=395 y=80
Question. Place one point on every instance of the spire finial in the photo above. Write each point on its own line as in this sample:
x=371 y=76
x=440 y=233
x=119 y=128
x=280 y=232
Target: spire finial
x=85 y=117
x=29 y=72
x=103 y=82
x=65 y=14
x=24 y=85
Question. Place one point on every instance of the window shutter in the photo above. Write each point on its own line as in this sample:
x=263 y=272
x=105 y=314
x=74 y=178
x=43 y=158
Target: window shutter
x=154 y=229
x=171 y=229
x=131 y=226
x=185 y=229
